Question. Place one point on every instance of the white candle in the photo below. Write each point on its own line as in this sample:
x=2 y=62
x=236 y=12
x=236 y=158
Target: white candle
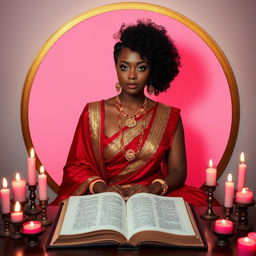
x=241 y=173
x=229 y=192
x=19 y=188
x=32 y=168
x=42 y=184
x=5 y=196
x=17 y=215
x=211 y=173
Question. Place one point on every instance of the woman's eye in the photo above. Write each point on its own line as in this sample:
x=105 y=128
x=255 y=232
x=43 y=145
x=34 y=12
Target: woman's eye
x=142 y=68
x=123 y=67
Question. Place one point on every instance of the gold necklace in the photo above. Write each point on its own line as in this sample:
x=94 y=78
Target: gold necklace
x=131 y=154
x=131 y=119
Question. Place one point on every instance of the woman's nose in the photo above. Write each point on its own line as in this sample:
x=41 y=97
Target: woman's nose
x=132 y=74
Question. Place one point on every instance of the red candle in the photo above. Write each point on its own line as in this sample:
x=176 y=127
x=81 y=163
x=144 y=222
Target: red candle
x=211 y=173
x=241 y=173
x=246 y=246
x=42 y=183
x=252 y=235
x=229 y=192
x=5 y=196
x=32 y=227
x=244 y=197
x=19 y=189
x=17 y=215
x=32 y=168
x=223 y=226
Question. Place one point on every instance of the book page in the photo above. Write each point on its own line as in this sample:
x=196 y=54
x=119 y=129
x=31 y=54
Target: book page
x=151 y=212
x=104 y=211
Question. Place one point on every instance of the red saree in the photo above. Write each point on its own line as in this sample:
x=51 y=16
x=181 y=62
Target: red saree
x=92 y=154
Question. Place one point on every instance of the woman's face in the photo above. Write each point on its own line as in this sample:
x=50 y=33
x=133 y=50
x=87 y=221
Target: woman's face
x=132 y=71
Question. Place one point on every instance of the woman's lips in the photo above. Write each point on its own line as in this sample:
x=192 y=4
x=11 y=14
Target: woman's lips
x=132 y=86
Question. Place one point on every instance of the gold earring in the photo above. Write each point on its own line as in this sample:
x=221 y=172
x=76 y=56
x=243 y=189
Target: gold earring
x=150 y=90
x=118 y=87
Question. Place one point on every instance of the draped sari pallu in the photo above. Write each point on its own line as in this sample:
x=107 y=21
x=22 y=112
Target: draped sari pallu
x=93 y=155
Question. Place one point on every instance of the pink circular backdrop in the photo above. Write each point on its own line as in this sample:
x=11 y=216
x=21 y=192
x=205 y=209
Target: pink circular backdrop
x=79 y=68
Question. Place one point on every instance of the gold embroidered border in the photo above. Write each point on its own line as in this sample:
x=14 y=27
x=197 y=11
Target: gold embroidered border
x=113 y=148
x=95 y=126
x=150 y=146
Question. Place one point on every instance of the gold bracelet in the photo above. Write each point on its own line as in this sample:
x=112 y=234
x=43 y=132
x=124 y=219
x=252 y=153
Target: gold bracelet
x=92 y=184
x=164 y=185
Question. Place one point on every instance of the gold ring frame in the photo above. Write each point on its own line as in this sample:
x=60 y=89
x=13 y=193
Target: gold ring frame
x=135 y=6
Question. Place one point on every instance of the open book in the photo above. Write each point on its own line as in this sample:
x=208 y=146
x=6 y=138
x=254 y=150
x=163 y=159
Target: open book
x=144 y=218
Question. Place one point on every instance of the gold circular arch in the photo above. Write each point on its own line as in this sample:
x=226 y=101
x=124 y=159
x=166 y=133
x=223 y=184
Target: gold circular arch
x=135 y=6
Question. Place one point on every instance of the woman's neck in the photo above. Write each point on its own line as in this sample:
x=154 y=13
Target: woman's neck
x=131 y=101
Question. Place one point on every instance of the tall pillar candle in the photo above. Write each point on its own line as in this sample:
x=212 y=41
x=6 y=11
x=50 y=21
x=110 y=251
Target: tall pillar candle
x=229 y=192
x=32 y=168
x=211 y=173
x=19 y=188
x=241 y=173
x=5 y=197
x=42 y=184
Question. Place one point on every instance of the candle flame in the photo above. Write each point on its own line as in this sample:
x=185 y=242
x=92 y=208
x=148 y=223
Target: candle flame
x=223 y=221
x=5 y=184
x=247 y=239
x=41 y=169
x=17 y=206
x=32 y=153
x=230 y=177
x=244 y=190
x=242 y=157
x=210 y=163
x=32 y=224
x=17 y=176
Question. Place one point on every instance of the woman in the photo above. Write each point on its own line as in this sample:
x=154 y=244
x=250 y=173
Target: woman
x=129 y=143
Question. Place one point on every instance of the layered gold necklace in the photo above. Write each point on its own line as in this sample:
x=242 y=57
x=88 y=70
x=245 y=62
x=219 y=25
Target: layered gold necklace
x=131 y=122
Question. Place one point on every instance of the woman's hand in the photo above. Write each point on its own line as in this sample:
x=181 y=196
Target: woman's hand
x=154 y=188
x=100 y=187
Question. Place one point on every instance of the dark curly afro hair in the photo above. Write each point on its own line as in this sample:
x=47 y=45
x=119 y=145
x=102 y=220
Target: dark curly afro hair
x=151 y=42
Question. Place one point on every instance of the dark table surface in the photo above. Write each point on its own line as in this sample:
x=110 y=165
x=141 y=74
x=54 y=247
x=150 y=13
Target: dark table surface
x=9 y=247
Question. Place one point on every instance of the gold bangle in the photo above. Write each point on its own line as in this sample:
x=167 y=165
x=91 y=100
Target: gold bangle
x=164 y=185
x=92 y=184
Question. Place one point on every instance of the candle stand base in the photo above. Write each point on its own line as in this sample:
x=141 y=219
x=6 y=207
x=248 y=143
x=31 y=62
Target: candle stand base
x=17 y=234
x=45 y=221
x=222 y=239
x=32 y=209
x=32 y=240
x=228 y=212
x=210 y=214
x=243 y=220
x=6 y=218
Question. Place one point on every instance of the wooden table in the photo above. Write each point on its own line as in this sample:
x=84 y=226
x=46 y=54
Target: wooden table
x=9 y=247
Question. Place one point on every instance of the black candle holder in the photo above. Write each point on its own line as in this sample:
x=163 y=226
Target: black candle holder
x=17 y=234
x=32 y=209
x=32 y=239
x=6 y=218
x=222 y=239
x=210 y=214
x=228 y=212
x=243 y=220
x=45 y=221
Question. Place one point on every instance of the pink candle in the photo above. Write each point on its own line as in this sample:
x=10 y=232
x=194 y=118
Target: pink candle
x=223 y=226
x=32 y=227
x=19 y=188
x=5 y=196
x=211 y=173
x=229 y=192
x=252 y=235
x=32 y=168
x=17 y=215
x=244 y=197
x=241 y=173
x=246 y=246
x=42 y=183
